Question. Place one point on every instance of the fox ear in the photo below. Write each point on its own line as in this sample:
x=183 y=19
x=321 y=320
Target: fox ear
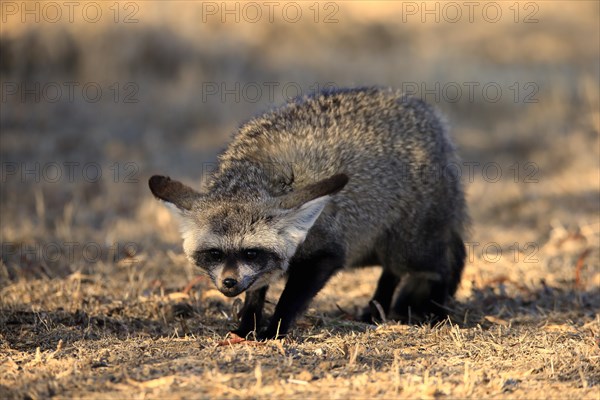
x=305 y=206
x=313 y=191
x=174 y=192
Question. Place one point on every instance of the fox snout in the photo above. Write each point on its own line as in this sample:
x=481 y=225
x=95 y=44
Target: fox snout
x=230 y=284
x=233 y=276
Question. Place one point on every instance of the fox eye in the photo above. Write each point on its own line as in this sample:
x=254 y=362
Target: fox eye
x=250 y=254
x=215 y=255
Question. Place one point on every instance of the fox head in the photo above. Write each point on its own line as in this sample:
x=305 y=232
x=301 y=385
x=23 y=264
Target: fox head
x=245 y=244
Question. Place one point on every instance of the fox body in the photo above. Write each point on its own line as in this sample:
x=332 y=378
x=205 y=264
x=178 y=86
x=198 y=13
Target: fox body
x=342 y=178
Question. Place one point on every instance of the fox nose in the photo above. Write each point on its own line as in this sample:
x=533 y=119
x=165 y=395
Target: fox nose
x=229 y=282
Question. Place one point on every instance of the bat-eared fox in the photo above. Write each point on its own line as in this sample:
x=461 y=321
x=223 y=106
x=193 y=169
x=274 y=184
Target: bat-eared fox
x=340 y=178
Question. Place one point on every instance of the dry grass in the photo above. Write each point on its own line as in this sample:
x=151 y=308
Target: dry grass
x=126 y=323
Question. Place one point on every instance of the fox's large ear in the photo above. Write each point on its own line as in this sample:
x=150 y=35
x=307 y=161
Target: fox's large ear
x=314 y=191
x=174 y=192
x=304 y=206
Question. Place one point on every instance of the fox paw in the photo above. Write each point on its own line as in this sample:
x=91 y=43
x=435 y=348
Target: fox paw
x=373 y=313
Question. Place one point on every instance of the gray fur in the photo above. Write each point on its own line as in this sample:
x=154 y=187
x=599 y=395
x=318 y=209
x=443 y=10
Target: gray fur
x=281 y=185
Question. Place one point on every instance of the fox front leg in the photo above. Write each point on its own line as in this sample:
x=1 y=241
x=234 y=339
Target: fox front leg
x=251 y=313
x=307 y=276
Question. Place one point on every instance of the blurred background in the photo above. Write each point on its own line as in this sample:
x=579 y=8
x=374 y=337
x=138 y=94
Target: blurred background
x=98 y=96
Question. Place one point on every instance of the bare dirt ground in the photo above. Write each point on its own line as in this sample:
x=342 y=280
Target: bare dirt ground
x=96 y=298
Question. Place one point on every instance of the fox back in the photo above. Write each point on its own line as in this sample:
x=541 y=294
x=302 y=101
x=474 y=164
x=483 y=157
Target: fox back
x=341 y=178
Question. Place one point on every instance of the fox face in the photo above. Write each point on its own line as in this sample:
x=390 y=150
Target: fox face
x=244 y=245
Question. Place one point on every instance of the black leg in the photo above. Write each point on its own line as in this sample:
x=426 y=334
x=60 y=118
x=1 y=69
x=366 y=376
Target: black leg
x=306 y=278
x=434 y=277
x=421 y=298
x=383 y=295
x=251 y=313
x=458 y=255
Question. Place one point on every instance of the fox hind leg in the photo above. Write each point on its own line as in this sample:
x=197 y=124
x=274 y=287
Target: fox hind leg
x=433 y=278
x=419 y=298
x=386 y=286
